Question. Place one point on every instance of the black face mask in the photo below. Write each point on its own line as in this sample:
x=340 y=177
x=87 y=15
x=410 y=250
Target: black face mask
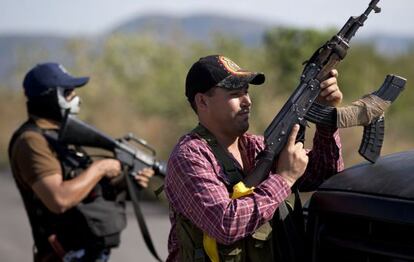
x=45 y=106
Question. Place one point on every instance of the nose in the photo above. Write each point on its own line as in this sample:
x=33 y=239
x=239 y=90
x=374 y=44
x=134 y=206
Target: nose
x=70 y=95
x=245 y=100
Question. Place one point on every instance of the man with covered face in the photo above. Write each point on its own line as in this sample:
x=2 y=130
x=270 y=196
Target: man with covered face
x=207 y=223
x=72 y=216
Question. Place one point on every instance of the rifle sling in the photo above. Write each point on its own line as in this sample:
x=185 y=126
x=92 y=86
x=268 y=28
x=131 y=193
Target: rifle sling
x=320 y=114
x=134 y=194
x=233 y=173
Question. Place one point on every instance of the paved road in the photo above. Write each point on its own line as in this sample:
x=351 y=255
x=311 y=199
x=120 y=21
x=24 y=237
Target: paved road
x=16 y=241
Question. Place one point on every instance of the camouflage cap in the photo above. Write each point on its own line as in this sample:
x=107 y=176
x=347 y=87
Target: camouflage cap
x=218 y=71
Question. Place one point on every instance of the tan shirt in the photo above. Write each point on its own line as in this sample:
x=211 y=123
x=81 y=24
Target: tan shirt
x=31 y=156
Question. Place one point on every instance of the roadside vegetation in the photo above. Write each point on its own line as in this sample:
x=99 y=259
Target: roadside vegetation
x=137 y=85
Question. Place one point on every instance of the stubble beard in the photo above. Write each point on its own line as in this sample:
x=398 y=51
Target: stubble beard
x=242 y=127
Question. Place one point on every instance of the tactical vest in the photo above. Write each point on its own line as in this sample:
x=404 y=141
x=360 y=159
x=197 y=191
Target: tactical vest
x=95 y=223
x=257 y=247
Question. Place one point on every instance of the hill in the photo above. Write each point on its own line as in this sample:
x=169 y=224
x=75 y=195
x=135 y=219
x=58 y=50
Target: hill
x=18 y=51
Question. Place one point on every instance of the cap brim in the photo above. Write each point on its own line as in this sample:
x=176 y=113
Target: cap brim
x=257 y=79
x=74 y=82
x=238 y=81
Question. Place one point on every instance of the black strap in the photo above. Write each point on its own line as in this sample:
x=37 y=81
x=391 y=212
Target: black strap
x=51 y=135
x=233 y=173
x=298 y=212
x=29 y=125
x=134 y=194
x=291 y=231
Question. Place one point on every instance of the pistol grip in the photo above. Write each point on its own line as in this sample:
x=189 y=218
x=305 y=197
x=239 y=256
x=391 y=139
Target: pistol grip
x=301 y=134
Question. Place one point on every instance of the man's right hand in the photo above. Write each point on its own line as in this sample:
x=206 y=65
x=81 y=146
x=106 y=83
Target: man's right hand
x=293 y=159
x=108 y=167
x=60 y=195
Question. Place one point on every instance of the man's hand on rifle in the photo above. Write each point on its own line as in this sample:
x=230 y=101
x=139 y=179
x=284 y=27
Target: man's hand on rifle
x=109 y=168
x=293 y=159
x=143 y=177
x=330 y=94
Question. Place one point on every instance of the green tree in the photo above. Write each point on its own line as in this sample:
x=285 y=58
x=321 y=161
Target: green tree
x=286 y=51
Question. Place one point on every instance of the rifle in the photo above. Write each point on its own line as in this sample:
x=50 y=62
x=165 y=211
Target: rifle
x=300 y=108
x=296 y=109
x=75 y=132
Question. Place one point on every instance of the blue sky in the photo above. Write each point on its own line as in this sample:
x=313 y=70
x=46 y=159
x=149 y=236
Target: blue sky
x=85 y=17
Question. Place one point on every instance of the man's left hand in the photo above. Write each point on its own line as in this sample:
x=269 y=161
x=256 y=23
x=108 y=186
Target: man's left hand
x=330 y=94
x=143 y=177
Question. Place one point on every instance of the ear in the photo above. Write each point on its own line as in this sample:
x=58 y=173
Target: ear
x=201 y=101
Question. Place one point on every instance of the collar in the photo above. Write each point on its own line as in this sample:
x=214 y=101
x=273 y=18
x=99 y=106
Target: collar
x=45 y=123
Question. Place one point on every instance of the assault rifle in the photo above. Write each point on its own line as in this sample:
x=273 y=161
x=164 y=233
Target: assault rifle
x=75 y=132
x=296 y=109
x=300 y=108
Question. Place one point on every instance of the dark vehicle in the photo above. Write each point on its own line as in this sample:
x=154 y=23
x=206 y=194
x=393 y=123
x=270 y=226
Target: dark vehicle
x=365 y=213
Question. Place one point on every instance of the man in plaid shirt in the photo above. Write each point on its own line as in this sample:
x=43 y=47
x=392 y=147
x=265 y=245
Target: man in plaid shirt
x=197 y=186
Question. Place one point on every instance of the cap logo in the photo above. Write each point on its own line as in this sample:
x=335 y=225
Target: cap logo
x=232 y=67
x=63 y=69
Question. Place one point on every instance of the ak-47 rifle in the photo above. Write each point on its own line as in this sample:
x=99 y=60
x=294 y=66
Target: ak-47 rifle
x=301 y=105
x=300 y=108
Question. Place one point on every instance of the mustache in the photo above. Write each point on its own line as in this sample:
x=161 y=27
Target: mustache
x=244 y=111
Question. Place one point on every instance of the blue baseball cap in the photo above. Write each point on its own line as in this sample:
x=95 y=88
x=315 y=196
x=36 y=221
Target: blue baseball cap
x=47 y=76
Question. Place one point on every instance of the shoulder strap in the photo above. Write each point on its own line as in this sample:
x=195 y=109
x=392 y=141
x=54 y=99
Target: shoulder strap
x=50 y=135
x=233 y=173
x=290 y=233
x=68 y=160
x=29 y=125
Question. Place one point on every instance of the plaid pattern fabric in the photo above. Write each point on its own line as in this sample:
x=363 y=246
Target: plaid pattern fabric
x=196 y=186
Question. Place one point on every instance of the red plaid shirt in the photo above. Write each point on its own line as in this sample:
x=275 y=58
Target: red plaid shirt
x=196 y=187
